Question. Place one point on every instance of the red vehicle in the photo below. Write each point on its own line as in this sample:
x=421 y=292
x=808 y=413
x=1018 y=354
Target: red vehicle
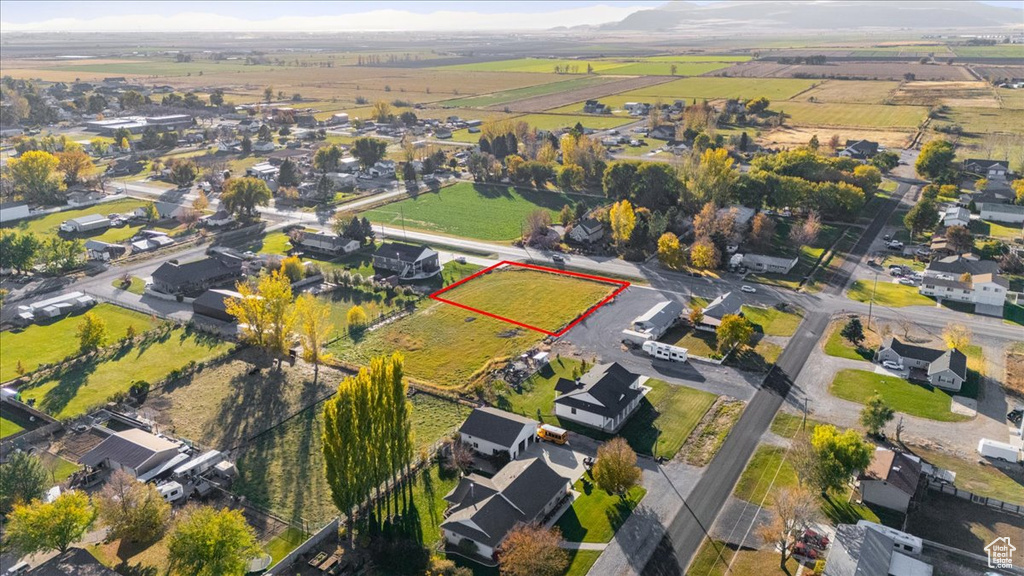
x=814 y=540
x=805 y=551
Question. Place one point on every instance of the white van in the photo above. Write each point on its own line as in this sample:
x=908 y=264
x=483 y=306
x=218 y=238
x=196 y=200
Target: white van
x=19 y=568
x=171 y=491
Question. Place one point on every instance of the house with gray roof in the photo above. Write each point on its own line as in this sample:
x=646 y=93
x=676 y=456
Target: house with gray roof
x=407 y=261
x=891 y=480
x=659 y=318
x=990 y=169
x=728 y=303
x=946 y=369
x=603 y=398
x=859 y=149
x=134 y=451
x=587 y=231
x=328 y=244
x=769 y=264
x=74 y=562
x=173 y=277
x=482 y=511
x=953 y=267
x=491 y=432
x=869 y=549
x=999 y=212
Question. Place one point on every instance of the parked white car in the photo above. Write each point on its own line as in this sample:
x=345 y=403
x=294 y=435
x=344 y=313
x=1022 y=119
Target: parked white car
x=748 y=289
x=892 y=365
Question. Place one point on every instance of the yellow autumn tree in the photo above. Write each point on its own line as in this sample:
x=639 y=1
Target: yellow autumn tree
x=623 y=220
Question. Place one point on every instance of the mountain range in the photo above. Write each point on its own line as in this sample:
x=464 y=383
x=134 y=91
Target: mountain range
x=837 y=15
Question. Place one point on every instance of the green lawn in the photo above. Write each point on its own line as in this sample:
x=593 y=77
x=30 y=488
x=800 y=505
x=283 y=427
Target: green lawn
x=697 y=342
x=137 y=285
x=596 y=514
x=59 y=468
x=49 y=343
x=46 y=226
x=773 y=322
x=851 y=115
x=765 y=470
x=480 y=211
x=887 y=294
x=543 y=299
x=84 y=387
x=7 y=428
x=995 y=230
x=342 y=301
x=836 y=345
x=666 y=416
x=282 y=544
x=291 y=455
x=580 y=561
x=788 y=425
x=917 y=400
x=981 y=479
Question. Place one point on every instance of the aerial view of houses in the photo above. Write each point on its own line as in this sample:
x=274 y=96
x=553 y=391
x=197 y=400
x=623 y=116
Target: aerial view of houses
x=522 y=289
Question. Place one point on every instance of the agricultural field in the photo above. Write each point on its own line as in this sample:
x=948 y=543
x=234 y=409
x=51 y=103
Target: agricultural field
x=537 y=65
x=53 y=342
x=291 y=455
x=480 y=211
x=776 y=89
x=790 y=136
x=567 y=98
x=508 y=96
x=849 y=70
x=854 y=115
x=83 y=387
x=545 y=300
x=997 y=51
x=851 y=92
x=968 y=94
x=46 y=226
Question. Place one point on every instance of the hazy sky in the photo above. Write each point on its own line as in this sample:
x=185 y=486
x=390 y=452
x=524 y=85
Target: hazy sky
x=16 y=15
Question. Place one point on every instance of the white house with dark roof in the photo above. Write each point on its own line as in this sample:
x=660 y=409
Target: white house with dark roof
x=990 y=169
x=946 y=369
x=891 y=480
x=859 y=149
x=769 y=264
x=587 y=231
x=482 y=511
x=999 y=212
x=603 y=398
x=329 y=244
x=490 y=432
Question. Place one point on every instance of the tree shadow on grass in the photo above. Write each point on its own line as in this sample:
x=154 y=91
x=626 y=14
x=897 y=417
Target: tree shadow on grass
x=255 y=403
x=68 y=384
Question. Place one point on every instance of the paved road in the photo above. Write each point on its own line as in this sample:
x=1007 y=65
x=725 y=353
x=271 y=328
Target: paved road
x=688 y=529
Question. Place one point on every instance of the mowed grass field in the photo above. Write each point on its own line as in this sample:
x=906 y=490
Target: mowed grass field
x=291 y=455
x=443 y=344
x=545 y=300
x=480 y=211
x=46 y=226
x=49 y=343
x=558 y=121
x=775 y=89
x=81 y=388
x=850 y=114
x=903 y=396
x=851 y=91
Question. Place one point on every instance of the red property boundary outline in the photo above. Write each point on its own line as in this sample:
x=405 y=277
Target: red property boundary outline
x=622 y=285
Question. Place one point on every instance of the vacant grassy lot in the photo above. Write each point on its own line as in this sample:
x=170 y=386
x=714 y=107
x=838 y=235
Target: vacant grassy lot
x=478 y=211
x=49 y=343
x=853 y=115
x=788 y=425
x=887 y=294
x=994 y=230
x=771 y=321
x=836 y=345
x=917 y=400
x=697 y=342
x=659 y=427
x=442 y=344
x=766 y=471
x=542 y=299
x=508 y=96
x=982 y=479
x=291 y=456
x=46 y=226
x=83 y=387
x=596 y=514
x=544 y=65
x=715 y=558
